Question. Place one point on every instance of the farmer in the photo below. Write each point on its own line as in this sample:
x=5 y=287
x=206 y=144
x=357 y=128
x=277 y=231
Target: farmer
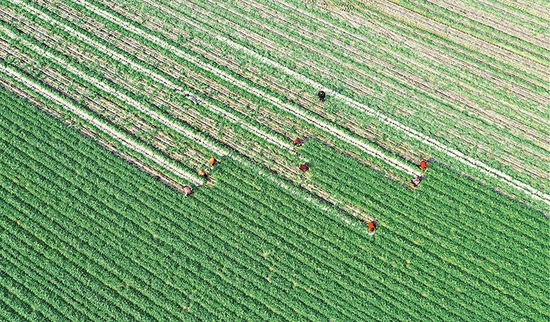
x=424 y=166
x=187 y=190
x=213 y=161
x=321 y=95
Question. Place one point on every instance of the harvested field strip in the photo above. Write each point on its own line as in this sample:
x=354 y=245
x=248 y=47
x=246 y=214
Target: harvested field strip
x=468 y=161
x=505 y=21
x=220 y=60
x=252 y=18
x=259 y=93
x=122 y=117
x=170 y=84
x=424 y=20
x=514 y=161
x=536 y=11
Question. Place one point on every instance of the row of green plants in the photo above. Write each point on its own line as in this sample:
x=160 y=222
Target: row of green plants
x=112 y=228
x=434 y=215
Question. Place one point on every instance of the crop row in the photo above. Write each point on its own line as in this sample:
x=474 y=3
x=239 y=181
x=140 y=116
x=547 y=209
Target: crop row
x=203 y=67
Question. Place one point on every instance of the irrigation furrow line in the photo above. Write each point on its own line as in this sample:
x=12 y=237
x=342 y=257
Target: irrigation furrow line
x=455 y=154
x=401 y=75
x=121 y=137
x=277 y=102
x=169 y=84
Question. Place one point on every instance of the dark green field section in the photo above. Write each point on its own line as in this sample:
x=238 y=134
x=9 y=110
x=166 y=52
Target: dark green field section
x=86 y=236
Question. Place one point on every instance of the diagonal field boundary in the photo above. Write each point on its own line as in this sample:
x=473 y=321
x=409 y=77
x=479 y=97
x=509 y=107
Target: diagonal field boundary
x=315 y=121
x=150 y=154
x=453 y=153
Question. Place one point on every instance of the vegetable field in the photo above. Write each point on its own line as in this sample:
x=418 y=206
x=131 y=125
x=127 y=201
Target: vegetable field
x=108 y=109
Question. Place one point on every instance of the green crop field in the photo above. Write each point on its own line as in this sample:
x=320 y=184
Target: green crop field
x=109 y=109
